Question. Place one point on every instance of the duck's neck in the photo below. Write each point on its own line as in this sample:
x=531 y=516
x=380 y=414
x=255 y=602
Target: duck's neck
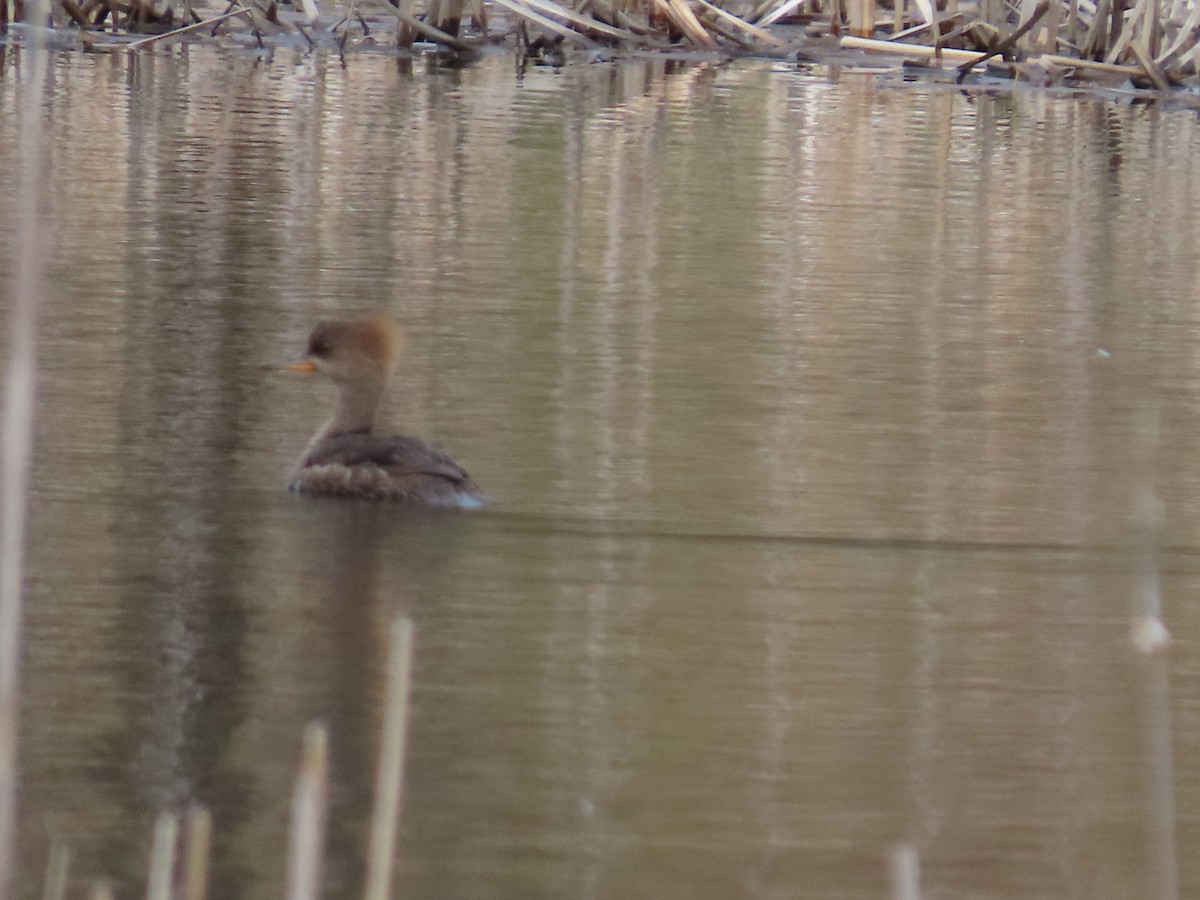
x=354 y=409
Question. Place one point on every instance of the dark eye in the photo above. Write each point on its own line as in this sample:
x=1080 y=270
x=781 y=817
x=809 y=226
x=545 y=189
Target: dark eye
x=319 y=348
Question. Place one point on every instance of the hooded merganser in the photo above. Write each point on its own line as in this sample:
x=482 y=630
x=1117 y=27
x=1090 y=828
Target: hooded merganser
x=346 y=458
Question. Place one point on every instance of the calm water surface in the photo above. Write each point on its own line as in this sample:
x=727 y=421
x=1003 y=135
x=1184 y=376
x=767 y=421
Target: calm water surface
x=816 y=414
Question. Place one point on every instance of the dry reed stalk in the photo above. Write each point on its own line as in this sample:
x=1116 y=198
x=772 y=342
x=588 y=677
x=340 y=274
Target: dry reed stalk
x=348 y=21
x=57 y=868
x=17 y=432
x=1046 y=37
x=927 y=10
x=994 y=13
x=862 y=17
x=162 y=857
x=1008 y=42
x=1116 y=16
x=778 y=13
x=761 y=9
x=434 y=34
x=1071 y=62
x=405 y=33
x=692 y=26
x=1184 y=40
x=197 y=852
x=613 y=14
x=444 y=15
x=1142 y=54
x=389 y=778
x=1027 y=14
x=71 y=8
x=919 y=28
x=714 y=24
x=1152 y=29
x=1124 y=33
x=553 y=9
x=526 y=13
x=479 y=16
x=452 y=22
x=685 y=20
x=904 y=874
x=1095 y=41
x=912 y=51
x=309 y=801
x=261 y=21
x=195 y=26
x=753 y=30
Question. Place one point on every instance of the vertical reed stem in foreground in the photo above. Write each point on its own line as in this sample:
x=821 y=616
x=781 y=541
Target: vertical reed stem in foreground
x=904 y=875
x=57 y=867
x=17 y=429
x=162 y=857
x=389 y=778
x=199 y=844
x=308 y=816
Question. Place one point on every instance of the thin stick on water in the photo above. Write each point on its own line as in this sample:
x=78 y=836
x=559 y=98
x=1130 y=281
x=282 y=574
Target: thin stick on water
x=308 y=816
x=199 y=845
x=904 y=873
x=389 y=778
x=162 y=857
x=17 y=438
x=56 y=871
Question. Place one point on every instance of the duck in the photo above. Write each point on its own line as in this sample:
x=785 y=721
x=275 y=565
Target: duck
x=346 y=457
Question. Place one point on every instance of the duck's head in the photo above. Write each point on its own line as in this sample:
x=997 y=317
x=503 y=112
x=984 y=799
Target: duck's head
x=352 y=351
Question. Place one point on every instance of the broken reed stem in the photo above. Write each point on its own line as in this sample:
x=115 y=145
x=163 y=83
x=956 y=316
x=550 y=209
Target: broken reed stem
x=389 y=778
x=56 y=871
x=1007 y=44
x=162 y=857
x=758 y=33
x=16 y=435
x=426 y=29
x=308 y=816
x=199 y=847
x=195 y=26
x=912 y=51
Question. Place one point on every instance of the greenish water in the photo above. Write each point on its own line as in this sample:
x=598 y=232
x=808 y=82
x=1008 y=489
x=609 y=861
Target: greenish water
x=814 y=415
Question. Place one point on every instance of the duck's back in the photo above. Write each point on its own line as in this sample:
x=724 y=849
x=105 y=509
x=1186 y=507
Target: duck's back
x=384 y=467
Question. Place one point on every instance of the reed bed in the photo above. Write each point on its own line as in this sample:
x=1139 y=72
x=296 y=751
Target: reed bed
x=181 y=845
x=1150 y=43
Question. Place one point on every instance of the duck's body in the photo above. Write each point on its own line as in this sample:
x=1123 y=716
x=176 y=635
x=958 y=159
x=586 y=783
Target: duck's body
x=347 y=458
x=383 y=467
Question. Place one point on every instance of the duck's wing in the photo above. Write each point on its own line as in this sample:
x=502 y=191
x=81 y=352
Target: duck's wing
x=401 y=456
